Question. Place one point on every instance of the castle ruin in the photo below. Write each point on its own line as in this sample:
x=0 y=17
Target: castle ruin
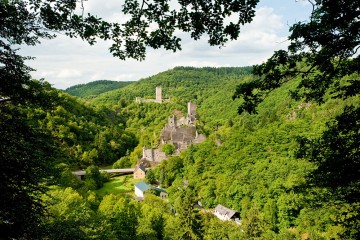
x=179 y=132
x=158 y=97
x=158 y=92
x=153 y=154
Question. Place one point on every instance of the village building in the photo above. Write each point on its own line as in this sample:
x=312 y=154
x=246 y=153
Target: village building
x=141 y=188
x=226 y=214
x=164 y=195
x=139 y=172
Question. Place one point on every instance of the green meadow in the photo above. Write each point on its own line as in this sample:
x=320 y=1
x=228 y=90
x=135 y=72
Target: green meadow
x=119 y=185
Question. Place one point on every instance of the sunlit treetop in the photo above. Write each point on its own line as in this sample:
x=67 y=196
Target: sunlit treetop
x=322 y=51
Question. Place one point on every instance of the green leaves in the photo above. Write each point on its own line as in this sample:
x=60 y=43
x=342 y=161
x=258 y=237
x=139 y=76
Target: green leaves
x=188 y=218
x=152 y=24
x=17 y=86
x=168 y=148
x=26 y=159
x=321 y=51
x=336 y=153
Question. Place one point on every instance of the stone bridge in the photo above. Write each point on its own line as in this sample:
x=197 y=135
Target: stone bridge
x=80 y=174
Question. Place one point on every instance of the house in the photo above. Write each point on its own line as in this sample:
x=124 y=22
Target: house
x=140 y=189
x=224 y=213
x=139 y=172
x=164 y=195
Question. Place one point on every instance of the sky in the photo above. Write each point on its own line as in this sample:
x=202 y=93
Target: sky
x=65 y=62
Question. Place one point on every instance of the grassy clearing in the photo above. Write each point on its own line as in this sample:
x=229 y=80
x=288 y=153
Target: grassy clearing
x=119 y=185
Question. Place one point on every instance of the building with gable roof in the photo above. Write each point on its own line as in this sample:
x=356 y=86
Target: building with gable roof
x=226 y=214
x=140 y=189
x=139 y=172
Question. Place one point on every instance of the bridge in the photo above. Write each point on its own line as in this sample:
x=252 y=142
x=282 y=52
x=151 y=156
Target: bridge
x=80 y=174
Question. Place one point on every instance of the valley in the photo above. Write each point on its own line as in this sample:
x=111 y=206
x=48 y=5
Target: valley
x=248 y=163
x=198 y=148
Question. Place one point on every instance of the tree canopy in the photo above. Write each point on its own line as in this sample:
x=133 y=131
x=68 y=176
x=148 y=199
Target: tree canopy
x=149 y=24
x=248 y=161
x=323 y=51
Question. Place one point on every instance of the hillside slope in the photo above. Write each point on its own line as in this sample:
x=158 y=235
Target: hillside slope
x=255 y=164
x=181 y=83
x=86 y=134
x=259 y=166
x=95 y=88
x=251 y=163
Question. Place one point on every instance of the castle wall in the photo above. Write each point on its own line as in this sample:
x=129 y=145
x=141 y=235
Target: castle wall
x=172 y=122
x=181 y=133
x=159 y=155
x=153 y=154
x=148 y=154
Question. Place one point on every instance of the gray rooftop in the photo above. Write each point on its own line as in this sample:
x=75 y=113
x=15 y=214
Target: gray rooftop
x=225 y=211
x=143 y=186
x=141 y=167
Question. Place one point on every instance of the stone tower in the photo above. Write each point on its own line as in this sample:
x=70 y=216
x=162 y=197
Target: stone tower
x=172 y=122
x=158 y=94
x=191 y=111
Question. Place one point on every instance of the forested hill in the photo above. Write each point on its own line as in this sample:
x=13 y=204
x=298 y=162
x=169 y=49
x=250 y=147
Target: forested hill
x=182 y=83
x=210 y=88
x=260 y=165
x=86 y=134
x=95 y=88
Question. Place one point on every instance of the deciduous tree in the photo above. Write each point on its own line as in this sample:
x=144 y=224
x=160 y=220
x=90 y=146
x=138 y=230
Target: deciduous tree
x=322 y=51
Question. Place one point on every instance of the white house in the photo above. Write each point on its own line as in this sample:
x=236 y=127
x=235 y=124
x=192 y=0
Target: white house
x=224 y=213
x=140 y=189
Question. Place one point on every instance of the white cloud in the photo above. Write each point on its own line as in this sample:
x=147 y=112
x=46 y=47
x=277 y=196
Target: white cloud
x=256 y=42
x=266 y=20
x=68 y=73
x=65 y=62
x=305 y=2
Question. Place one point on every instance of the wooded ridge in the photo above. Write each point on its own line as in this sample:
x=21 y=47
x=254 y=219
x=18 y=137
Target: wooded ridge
x=251 y=163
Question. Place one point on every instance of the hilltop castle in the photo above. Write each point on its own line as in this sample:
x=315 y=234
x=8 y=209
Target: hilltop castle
x=158 y=98
x=179 y=132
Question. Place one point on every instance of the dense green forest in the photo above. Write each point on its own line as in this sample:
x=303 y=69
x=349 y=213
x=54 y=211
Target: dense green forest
x=87 y=135
x=250 y=163
x=93 y=89
x=181 y=85
x=282 y=143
